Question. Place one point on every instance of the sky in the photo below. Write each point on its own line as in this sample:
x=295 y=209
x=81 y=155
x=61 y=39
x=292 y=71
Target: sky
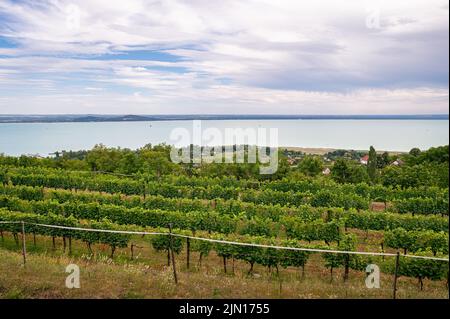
x=224 y=57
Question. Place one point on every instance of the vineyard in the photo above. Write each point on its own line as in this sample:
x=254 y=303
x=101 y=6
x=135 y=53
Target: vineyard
x=275 y=224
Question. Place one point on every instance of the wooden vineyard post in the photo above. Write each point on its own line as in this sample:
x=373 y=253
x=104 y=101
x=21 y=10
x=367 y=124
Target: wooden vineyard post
x=132 y=250
x=146 y=180
x=172 y=255
x=24 y=246
x=346 y=267
x=144 y=190
x=397 y=263
x=224 y=264
x=188 y=251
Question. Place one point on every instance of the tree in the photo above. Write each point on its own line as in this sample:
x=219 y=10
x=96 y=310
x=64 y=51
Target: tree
x=157 y=163
x=345 y=171
x=383 y=160
x=101 y=158
x=129 y=163
x=427 y=174
x=341 y=170
x=415 y=152
x=435 y=155
x=372 y=165
x=358 y=174
x=311 y=165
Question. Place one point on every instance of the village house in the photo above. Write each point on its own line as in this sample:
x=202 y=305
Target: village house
x=291 y=161
x=364 y=160
x=397 y=162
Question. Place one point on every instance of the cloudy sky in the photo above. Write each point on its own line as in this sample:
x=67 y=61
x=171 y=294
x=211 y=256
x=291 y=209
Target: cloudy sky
x=222 y=57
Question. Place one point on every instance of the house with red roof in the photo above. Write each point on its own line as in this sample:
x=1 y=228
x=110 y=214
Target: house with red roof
x=364 y=160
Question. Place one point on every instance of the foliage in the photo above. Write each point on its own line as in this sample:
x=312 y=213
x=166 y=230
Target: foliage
x=311 y=165
x=163 y=243
x=372 y=165
x=345 y=171
x=414 y=241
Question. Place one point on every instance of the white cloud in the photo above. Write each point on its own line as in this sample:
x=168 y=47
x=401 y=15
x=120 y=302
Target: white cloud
x=236 y=56
x=228 y=99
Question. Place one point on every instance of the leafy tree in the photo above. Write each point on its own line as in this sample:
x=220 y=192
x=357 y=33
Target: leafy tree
x=341 y=171
x=101 y=158
x=345 y=171
x=372 y=165
x=157 y=163
x=358 y=174
x=383 y=160
x=426 y=174
x=415 y=152
x=311 y=165
x=436 y=155
x=129 y=163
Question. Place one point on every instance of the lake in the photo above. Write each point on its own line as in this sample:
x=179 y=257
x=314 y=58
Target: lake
x=390 y=135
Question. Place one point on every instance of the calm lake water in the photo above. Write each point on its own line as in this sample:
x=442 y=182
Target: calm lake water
x=391 y=135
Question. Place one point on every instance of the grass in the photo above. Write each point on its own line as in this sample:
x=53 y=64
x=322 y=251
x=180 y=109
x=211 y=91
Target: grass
x=148 y=276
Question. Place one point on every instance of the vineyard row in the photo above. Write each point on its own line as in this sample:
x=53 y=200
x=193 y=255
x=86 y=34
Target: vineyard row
x=324 y=198
x=290 y=227
x=269 y=257
x=365 y=220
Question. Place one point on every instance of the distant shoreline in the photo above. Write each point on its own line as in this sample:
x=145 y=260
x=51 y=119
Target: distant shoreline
x=86 y=118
